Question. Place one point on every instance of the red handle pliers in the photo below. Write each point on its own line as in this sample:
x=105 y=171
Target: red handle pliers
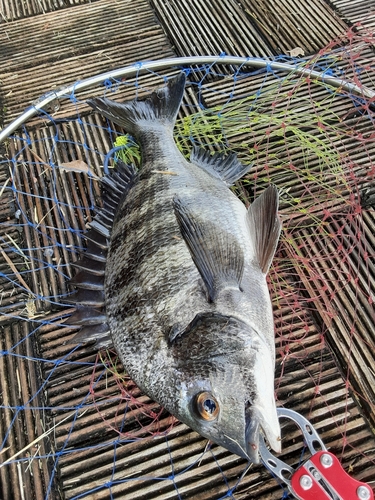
x=321 y=477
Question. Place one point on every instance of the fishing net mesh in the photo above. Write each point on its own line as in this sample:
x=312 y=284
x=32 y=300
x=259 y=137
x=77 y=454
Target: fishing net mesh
x=68 y=410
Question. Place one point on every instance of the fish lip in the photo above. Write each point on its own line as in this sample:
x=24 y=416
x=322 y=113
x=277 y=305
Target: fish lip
x=252 y=436
x=247 y=446
x=240 y=449
x=256 y=423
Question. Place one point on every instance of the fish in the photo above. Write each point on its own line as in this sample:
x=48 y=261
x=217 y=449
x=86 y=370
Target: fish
x=175 y=278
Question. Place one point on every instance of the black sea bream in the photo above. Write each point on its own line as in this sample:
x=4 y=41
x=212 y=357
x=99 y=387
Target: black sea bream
x=185 y=299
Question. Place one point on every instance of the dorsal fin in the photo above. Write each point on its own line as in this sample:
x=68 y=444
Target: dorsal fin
x=265 y=226
x=86 y=316
x=100 y=334
x=227 y=168
x=215 y=252
x=89 y=298
x=88 y=281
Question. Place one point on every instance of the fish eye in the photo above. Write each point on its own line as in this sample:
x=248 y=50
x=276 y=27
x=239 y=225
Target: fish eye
x=206 y=406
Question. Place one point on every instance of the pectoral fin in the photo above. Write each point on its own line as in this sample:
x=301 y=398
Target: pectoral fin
x=215 y=252
x=227 y=168
x=265 y=226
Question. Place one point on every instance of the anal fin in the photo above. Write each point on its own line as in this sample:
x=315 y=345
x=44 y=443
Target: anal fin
x=215 y=252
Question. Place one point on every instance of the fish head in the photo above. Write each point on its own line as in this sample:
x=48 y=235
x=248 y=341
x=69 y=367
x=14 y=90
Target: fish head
x=227 y=387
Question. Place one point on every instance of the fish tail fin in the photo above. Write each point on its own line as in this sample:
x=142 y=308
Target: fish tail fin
x=161 y=106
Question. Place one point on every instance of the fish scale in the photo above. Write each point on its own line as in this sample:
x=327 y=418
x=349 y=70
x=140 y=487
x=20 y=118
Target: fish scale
x=147 y=240
x=187 y=305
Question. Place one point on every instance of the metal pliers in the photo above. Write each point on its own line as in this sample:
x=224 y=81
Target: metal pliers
x=321 y=477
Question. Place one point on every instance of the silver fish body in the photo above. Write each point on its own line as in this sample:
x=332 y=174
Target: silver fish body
x=186 y=297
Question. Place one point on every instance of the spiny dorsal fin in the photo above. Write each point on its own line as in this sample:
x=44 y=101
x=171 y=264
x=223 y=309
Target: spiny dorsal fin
x=100 y=241
x=162 y=105
x=99 y=334
x=88 y=281
x=215 y=252
x=86 y=316
x=265 y=226
x=89 y=298
x=227 y=168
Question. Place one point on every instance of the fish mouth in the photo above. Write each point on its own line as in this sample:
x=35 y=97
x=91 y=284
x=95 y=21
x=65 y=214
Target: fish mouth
x=246 y=443
x=258 y=422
